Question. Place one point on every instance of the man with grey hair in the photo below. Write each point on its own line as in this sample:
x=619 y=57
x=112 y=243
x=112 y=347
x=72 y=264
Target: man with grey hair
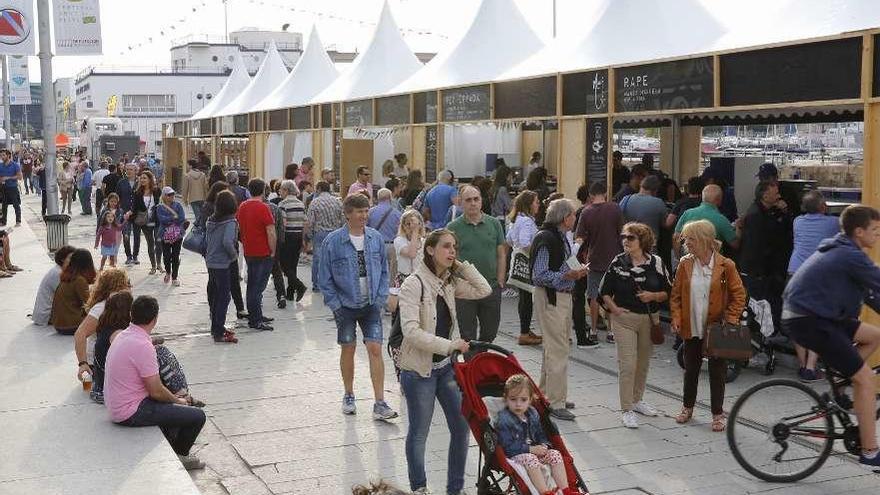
x=385 y=218
x=554 y=280
x=241 y=193
x=645 y=207
x=439 y=199
x=809 y=230
x=709 y=209
x=478 y=233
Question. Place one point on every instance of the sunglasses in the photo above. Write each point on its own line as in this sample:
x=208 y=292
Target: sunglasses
x=628 y=237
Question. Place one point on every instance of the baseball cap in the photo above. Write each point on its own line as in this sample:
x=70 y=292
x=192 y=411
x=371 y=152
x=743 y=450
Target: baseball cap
x=167 y=190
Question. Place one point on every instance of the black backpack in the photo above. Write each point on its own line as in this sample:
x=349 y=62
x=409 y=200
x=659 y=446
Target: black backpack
x=395 y=340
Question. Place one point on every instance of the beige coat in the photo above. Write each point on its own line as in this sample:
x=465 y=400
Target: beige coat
x=195 y=186
x=418 y=313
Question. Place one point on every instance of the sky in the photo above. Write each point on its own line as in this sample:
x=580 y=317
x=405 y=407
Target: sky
x=139 y=33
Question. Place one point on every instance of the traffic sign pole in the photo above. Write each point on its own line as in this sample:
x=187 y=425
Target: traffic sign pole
x=49 y=131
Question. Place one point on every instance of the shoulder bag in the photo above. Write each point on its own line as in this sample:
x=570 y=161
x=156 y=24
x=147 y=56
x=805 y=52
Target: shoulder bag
x=726 y=340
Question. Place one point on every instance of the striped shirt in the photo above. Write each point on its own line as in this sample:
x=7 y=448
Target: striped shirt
x=325 y=213
x=294 y=214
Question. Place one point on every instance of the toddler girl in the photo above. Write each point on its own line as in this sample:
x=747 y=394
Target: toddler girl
x=524 y=440
x=108 y=235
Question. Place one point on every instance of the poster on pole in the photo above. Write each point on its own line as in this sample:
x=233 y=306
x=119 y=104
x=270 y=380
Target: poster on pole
x=19 y=80
x=18 y=27
x=77 y=26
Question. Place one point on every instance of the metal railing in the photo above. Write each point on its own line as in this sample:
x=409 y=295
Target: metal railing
x=212 y=39
x=148 y=70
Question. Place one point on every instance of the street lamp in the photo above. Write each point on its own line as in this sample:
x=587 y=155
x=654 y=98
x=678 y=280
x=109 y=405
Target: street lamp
x=204 y=97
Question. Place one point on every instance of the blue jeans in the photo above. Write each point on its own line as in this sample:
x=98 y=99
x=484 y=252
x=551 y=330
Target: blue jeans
x=258 y=271
x=369 y=318
x=197 y=210
x=219 y=295
x=317 y=239
x=420 y=393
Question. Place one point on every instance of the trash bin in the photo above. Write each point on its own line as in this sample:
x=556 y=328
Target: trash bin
x=56 y=231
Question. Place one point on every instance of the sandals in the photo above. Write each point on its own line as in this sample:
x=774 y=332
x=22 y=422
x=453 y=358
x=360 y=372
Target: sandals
x=718 y=423
x=685 y=415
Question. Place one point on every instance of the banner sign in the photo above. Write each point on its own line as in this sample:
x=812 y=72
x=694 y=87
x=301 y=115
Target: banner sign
x=597 y=150
x=77 y=27
x=19 y=82
x=18 y=27
x=665 y=86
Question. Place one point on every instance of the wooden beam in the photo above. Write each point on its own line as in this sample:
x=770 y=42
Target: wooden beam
x=871 y=168
x=612 y=101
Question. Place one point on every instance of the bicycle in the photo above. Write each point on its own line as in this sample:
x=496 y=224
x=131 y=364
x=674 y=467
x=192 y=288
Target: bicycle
x=803 y=441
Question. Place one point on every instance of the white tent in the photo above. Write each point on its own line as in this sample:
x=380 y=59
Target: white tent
x=498 y=39
x=385 y=63
x=237 y=81
x=313 y=72
x=271 y=74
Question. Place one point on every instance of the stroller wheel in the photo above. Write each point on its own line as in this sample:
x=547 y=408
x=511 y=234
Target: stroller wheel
x=680 y=356
x=733 y=370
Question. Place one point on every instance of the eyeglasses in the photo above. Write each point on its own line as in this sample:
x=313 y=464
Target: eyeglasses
x=628 y=237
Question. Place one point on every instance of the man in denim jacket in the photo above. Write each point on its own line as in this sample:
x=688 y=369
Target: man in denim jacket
x=353 y=278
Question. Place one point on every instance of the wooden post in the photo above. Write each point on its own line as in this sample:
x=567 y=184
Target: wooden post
x=871 y=169
x=612 y=101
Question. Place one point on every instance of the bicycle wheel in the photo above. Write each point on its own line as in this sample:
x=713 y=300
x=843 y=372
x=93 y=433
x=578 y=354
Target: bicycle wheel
x=780 y=431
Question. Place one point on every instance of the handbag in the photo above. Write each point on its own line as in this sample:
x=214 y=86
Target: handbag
x=726 y=340
x=140 y=218
x=172 y=234
x=520 y=274
x=657 y=336
x=196 y=240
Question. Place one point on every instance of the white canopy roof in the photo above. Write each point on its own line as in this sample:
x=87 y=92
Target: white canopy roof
x=498 y=39
x=313 y=72
x=237 y=81
x=268 y=78
x=385 y=63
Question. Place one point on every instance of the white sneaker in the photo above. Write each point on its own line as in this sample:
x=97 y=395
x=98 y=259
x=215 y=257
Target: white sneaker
x=629 y=419
x=645 y=409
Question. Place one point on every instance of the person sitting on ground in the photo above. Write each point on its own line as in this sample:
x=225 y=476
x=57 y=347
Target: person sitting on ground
x=377 y=488
x=134 y=391
x=7 y=269
x=42 y=312
x=524 y=440
x=68 y=306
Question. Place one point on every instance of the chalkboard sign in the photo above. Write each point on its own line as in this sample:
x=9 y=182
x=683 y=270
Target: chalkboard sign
x=326 y=116
x=584 y=93
x=425 y=107
x=278 y=120
x=666 y=86
x=597 y=150
x=431 y=140
x=526 y=98
x=393 y=110
x=240 y=124
x=877 y=65
x=827 y=70
x=358 y=113
x=462 y=104
x=302 y=118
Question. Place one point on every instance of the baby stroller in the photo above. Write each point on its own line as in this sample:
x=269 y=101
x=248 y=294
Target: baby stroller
x=481 y=378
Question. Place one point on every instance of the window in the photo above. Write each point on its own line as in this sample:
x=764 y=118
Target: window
x=89 y=104
x=148 y=104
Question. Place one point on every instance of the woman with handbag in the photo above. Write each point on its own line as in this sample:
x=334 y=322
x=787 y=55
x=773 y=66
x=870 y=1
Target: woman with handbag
x=143 y=216
x=521 y=232
x=632 y=290
x=707 y=289
x=172 y=225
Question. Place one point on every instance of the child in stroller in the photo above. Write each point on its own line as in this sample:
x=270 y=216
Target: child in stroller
x=523 y=439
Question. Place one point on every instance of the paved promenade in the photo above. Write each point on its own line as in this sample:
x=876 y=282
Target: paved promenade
x=274 y=424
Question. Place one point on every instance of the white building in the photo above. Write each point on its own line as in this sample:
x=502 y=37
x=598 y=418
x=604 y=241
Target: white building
x=65 y=105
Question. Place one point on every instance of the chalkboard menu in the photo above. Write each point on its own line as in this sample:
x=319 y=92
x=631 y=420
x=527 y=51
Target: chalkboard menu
x=526 y=98
x=431 y=139
x=597 y=150
x=240 y=124
x=278 y=120
x=358 y=113
x=425 y=107
x=326 y=116
x=877 y=65
x=392 y=110
x=302 y=118
x=585 y=93
x=827 y=70
x=666 y=85
x=462 y=104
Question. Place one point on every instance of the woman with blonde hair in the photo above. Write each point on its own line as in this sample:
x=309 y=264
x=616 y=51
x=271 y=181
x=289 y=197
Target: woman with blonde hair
x=408 y=243
x=631 y=290
x=707 y=289
x=521 y=231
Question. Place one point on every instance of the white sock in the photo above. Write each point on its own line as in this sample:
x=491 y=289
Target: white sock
x=871 y=454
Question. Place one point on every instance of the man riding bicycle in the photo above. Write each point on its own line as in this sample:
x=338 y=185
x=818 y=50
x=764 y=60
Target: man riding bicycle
x=821 y=312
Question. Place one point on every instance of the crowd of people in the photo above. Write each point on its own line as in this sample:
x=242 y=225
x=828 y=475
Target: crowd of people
x=439 y=257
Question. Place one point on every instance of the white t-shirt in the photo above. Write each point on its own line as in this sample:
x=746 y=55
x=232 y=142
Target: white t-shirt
x=405 y=265
x=358 y=241
x=96 y=312
x=98 y=177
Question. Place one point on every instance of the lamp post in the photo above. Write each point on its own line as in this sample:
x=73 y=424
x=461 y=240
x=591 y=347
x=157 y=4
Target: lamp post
x=204 y=97
x=49 y=131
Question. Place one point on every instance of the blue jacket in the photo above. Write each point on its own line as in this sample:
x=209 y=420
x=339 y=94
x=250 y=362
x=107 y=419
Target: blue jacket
x=166 y=218
x=834 y=282
x=222 y=242
x=512 y=433
x=125 y=192
x=338 y=269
